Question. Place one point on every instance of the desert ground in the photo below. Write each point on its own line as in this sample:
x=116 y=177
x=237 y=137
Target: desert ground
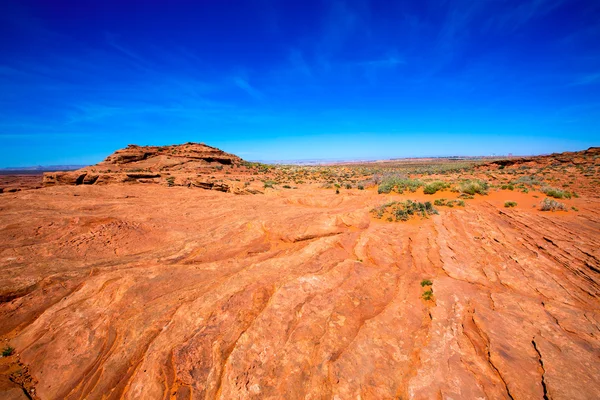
x=183 y=272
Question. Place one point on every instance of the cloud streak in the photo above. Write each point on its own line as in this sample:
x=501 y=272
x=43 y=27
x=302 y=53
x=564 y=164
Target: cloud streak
x=248 y=88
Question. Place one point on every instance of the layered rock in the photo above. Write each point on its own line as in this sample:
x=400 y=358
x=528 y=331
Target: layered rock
x=177 y=165
x=589 y=156
x=140 y=291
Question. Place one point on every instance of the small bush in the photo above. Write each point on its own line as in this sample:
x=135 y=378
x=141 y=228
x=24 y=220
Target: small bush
x=348 y=186
x=287 y=187
x=552 y=205
x=449 y=203
x=473 y=186
x=428 y=294
x=361 y=187
x=529 y=180
x=433 y=187
x=398 y=183
x=269 y=184
x=7 y=351
x=508 y=187
x=171 y=181
x=510 y=204
x=426 y=282
x=403 y=210
x=556 y=193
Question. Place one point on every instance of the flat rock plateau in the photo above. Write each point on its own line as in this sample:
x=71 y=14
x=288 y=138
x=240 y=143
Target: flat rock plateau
x=183 y=272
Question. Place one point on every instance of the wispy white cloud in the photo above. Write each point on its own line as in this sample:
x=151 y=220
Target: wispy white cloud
x=298 y=62
x=247 y=87
x=112 y=40
x=589 y=79
x=386 y=62
x=527 y=10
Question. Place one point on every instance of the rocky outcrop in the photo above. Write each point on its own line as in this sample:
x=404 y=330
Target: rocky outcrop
x=169 y=165
x=589 y=156
x=188 y=151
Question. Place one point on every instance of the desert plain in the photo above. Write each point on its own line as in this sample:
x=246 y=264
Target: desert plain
x=183 y=272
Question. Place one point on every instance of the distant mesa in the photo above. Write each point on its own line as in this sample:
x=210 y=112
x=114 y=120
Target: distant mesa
x=189 y=164
x=567 y=157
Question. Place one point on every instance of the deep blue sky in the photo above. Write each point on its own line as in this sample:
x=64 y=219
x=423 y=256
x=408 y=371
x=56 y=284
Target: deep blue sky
x=276 y=80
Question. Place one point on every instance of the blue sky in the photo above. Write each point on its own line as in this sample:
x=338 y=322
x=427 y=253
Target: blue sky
x=281 y=80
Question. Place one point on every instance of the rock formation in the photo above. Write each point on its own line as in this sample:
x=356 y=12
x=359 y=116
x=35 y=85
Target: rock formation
x=185 y=165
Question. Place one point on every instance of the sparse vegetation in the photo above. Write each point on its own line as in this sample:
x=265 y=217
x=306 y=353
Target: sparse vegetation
x=556 y=193
x=399 y=184
x=473 y=186
x=428 y=294
x=7 y=351
x=509 y=204
x=552 y=205
x=426 y=282
x=170 y=181
x=403 y=210
x=433 y=187
x=449 y=203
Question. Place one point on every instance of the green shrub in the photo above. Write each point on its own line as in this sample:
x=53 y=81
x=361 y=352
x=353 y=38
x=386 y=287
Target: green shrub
x=556 y=193
x=361 y=187
x=403 y=210
x=433 y=187
x=510 y=204
x=428 y=294
x=426 y=282
x=170 y=181
x=287 y=187
x=7 y=351
x=269 y=184
x=398 y=183
x=449 y=203
x=473 y=186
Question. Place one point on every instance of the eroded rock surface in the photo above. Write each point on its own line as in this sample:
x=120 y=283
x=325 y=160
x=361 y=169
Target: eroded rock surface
x=177 y=165
x=157 y=292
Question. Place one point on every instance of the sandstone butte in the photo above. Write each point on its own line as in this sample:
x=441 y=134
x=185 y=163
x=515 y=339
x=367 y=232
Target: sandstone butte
x=128 y=279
